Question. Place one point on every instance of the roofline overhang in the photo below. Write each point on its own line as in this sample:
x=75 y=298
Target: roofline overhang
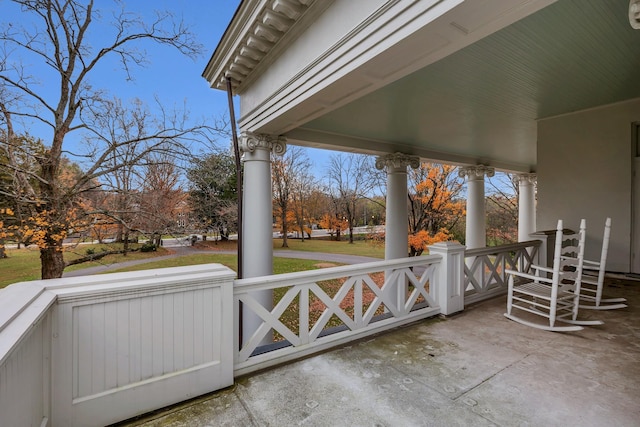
x=255 y=34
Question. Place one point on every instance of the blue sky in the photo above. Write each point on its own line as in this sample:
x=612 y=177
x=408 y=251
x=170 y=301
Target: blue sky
x=170 y=76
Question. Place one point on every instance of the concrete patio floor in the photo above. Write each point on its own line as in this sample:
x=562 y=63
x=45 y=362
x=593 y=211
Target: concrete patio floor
x=473 y=369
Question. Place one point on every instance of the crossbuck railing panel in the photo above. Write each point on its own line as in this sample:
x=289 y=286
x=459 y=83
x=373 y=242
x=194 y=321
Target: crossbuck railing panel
x=332 y=306
x=484 y=271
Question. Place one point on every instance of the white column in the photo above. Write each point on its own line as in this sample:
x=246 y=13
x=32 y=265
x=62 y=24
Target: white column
x=396 y=241
x=396 y=235
x=526 y=205
x=476 y=233
x=257 y=241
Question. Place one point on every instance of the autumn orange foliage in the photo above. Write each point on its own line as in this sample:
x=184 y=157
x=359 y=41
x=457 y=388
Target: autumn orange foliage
x=333 y=225
x=434 y=205
x=419 y=241
x=4 y=232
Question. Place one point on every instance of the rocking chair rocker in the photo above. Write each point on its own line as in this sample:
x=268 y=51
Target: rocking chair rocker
x=548 y=297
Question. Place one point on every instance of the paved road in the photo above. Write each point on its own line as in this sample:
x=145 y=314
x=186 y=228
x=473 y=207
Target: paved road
x=181 y=250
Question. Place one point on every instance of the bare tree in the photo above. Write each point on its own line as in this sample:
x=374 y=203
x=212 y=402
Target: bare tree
x=350 y=179
x=303 y=187
x=502 y=209
x=287 y=173
x=57 y=37
x=161 y=197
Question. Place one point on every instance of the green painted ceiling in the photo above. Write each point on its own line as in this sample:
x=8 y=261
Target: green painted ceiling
x=484 y=100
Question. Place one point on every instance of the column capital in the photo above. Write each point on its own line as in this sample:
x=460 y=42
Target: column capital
x=397 y=161
x=250 y=142
x=525 y=178
x=476 y=172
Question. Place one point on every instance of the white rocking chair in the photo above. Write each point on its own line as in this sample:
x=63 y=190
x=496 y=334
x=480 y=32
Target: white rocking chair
x=548 y=297
x=593 y=280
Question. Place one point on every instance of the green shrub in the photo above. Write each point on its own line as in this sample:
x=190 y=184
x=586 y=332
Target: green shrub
x=148 y=247
x=90 y=251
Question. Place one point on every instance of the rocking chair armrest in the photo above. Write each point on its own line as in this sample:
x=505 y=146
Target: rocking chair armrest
x=541 y=268
x=584 y=261
x=529 y=276
x=591 y=263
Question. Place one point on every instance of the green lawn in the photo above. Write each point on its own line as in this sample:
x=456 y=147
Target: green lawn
x=280 y=265
x=358 y=247
x=24 y=264
x=21 y=265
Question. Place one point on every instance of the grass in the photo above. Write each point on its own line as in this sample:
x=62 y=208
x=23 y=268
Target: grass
x=358 y=247
x=81 y=251
x=280 y=265
x=22 y=265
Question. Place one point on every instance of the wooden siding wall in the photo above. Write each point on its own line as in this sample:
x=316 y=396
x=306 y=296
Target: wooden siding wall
x=24 y=380
x=132 y=352
x=96 y=350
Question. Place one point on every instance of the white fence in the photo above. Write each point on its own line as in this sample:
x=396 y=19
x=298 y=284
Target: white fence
x=100 y=349
x=333 y=306
x=484 y=271
x=96 y=350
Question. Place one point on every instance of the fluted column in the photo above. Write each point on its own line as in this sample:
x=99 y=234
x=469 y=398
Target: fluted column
x=476 y=230
x=526 y=205
x=397 y=224
x=258 y=219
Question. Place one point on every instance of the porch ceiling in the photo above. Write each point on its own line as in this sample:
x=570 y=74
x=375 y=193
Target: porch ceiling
x=480 y=104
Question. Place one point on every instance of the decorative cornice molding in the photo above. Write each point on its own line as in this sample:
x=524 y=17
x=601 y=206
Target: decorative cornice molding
x=525 y=178
x=250 y=142
x=252 y=35
x=476 y=172
x=397 y=161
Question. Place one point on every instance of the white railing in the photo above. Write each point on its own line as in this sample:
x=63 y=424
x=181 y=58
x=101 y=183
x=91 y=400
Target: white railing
x=484 y=271
x=333 y=306
x=94 y=350
x=99 y=349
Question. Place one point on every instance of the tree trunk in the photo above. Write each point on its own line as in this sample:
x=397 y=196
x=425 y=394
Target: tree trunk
x=224 y=234
x=119 y=233
x=285 y=243
x=94 y=257
x=52 y=262
x=125 y=242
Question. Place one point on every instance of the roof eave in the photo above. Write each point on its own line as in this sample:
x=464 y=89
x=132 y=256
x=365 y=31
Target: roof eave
x=256 y=27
